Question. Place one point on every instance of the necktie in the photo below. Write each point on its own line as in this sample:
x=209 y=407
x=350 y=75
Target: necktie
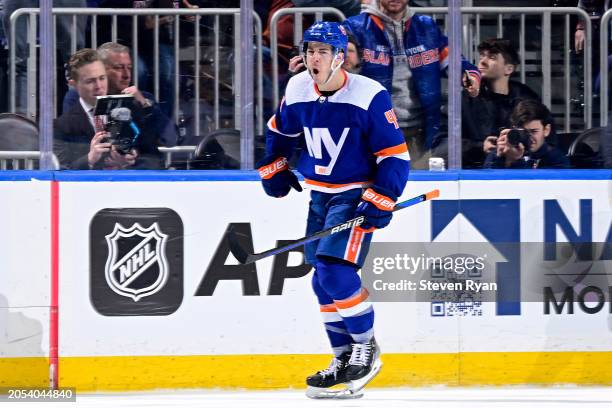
x=98 y=121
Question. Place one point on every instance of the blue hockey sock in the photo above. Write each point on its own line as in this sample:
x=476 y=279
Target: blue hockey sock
x=342 y=284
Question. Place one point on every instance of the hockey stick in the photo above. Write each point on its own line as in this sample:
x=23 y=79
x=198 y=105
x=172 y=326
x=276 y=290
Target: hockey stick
x=245 y=258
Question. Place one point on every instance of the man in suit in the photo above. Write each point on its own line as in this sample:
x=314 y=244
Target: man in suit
x=80 y=139
x=118 y=64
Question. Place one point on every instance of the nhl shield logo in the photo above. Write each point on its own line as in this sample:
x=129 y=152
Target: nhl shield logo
x=136 y=265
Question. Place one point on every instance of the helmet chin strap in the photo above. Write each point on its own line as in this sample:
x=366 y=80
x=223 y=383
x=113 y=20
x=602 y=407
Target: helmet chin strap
x=333 y=70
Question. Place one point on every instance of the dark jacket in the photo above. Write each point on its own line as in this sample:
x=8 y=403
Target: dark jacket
x=73 y=133
x=546 y=157
x=484 y=115
x=124 y=24
x=426 y=49
x=166 y=132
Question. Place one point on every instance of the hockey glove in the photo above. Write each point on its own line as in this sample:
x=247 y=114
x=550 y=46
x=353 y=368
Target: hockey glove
x=376 y=206
x=276 y=177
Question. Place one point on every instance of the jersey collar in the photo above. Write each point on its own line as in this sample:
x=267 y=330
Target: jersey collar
x=344 y=83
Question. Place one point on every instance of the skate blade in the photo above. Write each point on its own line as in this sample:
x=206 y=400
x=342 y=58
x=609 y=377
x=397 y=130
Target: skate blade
x=357 y=386
x=326 y=393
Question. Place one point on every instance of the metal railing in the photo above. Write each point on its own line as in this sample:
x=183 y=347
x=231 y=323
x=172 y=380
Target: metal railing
x=94 y=13
x=298 y=13
x=502 y=13
x=604 y=68
x=168 y=152
x=473 y=36
x=473 y=15
x=23 y=160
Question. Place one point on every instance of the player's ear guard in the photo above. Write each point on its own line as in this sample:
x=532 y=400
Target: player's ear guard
x=276 y=178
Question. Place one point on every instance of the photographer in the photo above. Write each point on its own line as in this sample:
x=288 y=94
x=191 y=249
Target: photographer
x=524 y=146
x=485 y=114
x=118 y=64
x=82 y=140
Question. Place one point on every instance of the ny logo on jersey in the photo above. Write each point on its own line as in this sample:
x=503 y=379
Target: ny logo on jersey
x=314 y=138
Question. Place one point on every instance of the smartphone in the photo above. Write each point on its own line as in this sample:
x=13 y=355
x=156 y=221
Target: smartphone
x=295 y=51
x=468 y=79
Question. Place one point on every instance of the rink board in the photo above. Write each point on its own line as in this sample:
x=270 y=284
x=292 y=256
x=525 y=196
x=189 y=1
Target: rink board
x=201 y=330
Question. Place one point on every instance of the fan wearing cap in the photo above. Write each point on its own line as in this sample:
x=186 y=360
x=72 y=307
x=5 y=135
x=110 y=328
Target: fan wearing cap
x=355 y=162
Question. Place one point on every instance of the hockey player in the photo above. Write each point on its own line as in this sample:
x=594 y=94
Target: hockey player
x=356 y=163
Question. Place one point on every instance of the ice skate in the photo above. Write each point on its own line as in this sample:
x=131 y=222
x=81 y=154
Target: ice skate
x=331 y=382
x=363 y=365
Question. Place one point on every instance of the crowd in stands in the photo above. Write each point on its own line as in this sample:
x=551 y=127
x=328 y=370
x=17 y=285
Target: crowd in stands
x=389 y=41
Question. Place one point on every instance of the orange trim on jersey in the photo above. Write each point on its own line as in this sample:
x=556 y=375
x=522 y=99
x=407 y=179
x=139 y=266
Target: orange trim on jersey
x=444 y=54
x=273 y=122
x=328 y=308
x=352 y=301
x=344 y=82
x=371 y=229
x=354 y=245
x=393 y=150
x=346 y=78
x=378 y=22
x=331 y=185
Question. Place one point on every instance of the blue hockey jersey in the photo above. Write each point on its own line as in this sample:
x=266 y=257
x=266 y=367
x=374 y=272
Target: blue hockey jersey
x=352 y=138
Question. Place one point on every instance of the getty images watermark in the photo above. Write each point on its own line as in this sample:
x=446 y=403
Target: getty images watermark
x=554 y=273
x=23 y=394
x=437 y=266
x=429 y=272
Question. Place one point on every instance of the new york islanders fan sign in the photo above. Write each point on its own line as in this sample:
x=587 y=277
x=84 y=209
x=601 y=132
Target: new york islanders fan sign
x=245 y=258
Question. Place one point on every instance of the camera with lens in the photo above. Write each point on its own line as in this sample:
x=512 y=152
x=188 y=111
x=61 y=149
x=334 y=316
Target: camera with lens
x=518 y=135
x=122 y=131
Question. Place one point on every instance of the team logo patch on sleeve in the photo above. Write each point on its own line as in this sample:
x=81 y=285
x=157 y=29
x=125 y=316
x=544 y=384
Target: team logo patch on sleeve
x=391 y=118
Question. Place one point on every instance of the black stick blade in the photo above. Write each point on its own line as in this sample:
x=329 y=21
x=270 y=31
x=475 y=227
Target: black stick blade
x=235 y=248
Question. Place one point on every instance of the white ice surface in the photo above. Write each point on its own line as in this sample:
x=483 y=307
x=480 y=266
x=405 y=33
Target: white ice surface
x=439 y=397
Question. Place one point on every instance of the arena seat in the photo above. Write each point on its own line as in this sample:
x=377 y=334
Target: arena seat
x=585 y=151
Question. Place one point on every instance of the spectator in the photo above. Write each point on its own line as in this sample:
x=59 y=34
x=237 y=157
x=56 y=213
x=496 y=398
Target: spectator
x=352 y=62
x=532 y=151
x=485 y=114
x=406 y=53
x=64 y=39
x=595 y=9
x=285 y=24
x=284 y=32
x=348 y=7
x=146 y=39
x=80 y=139
x=118 y=64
